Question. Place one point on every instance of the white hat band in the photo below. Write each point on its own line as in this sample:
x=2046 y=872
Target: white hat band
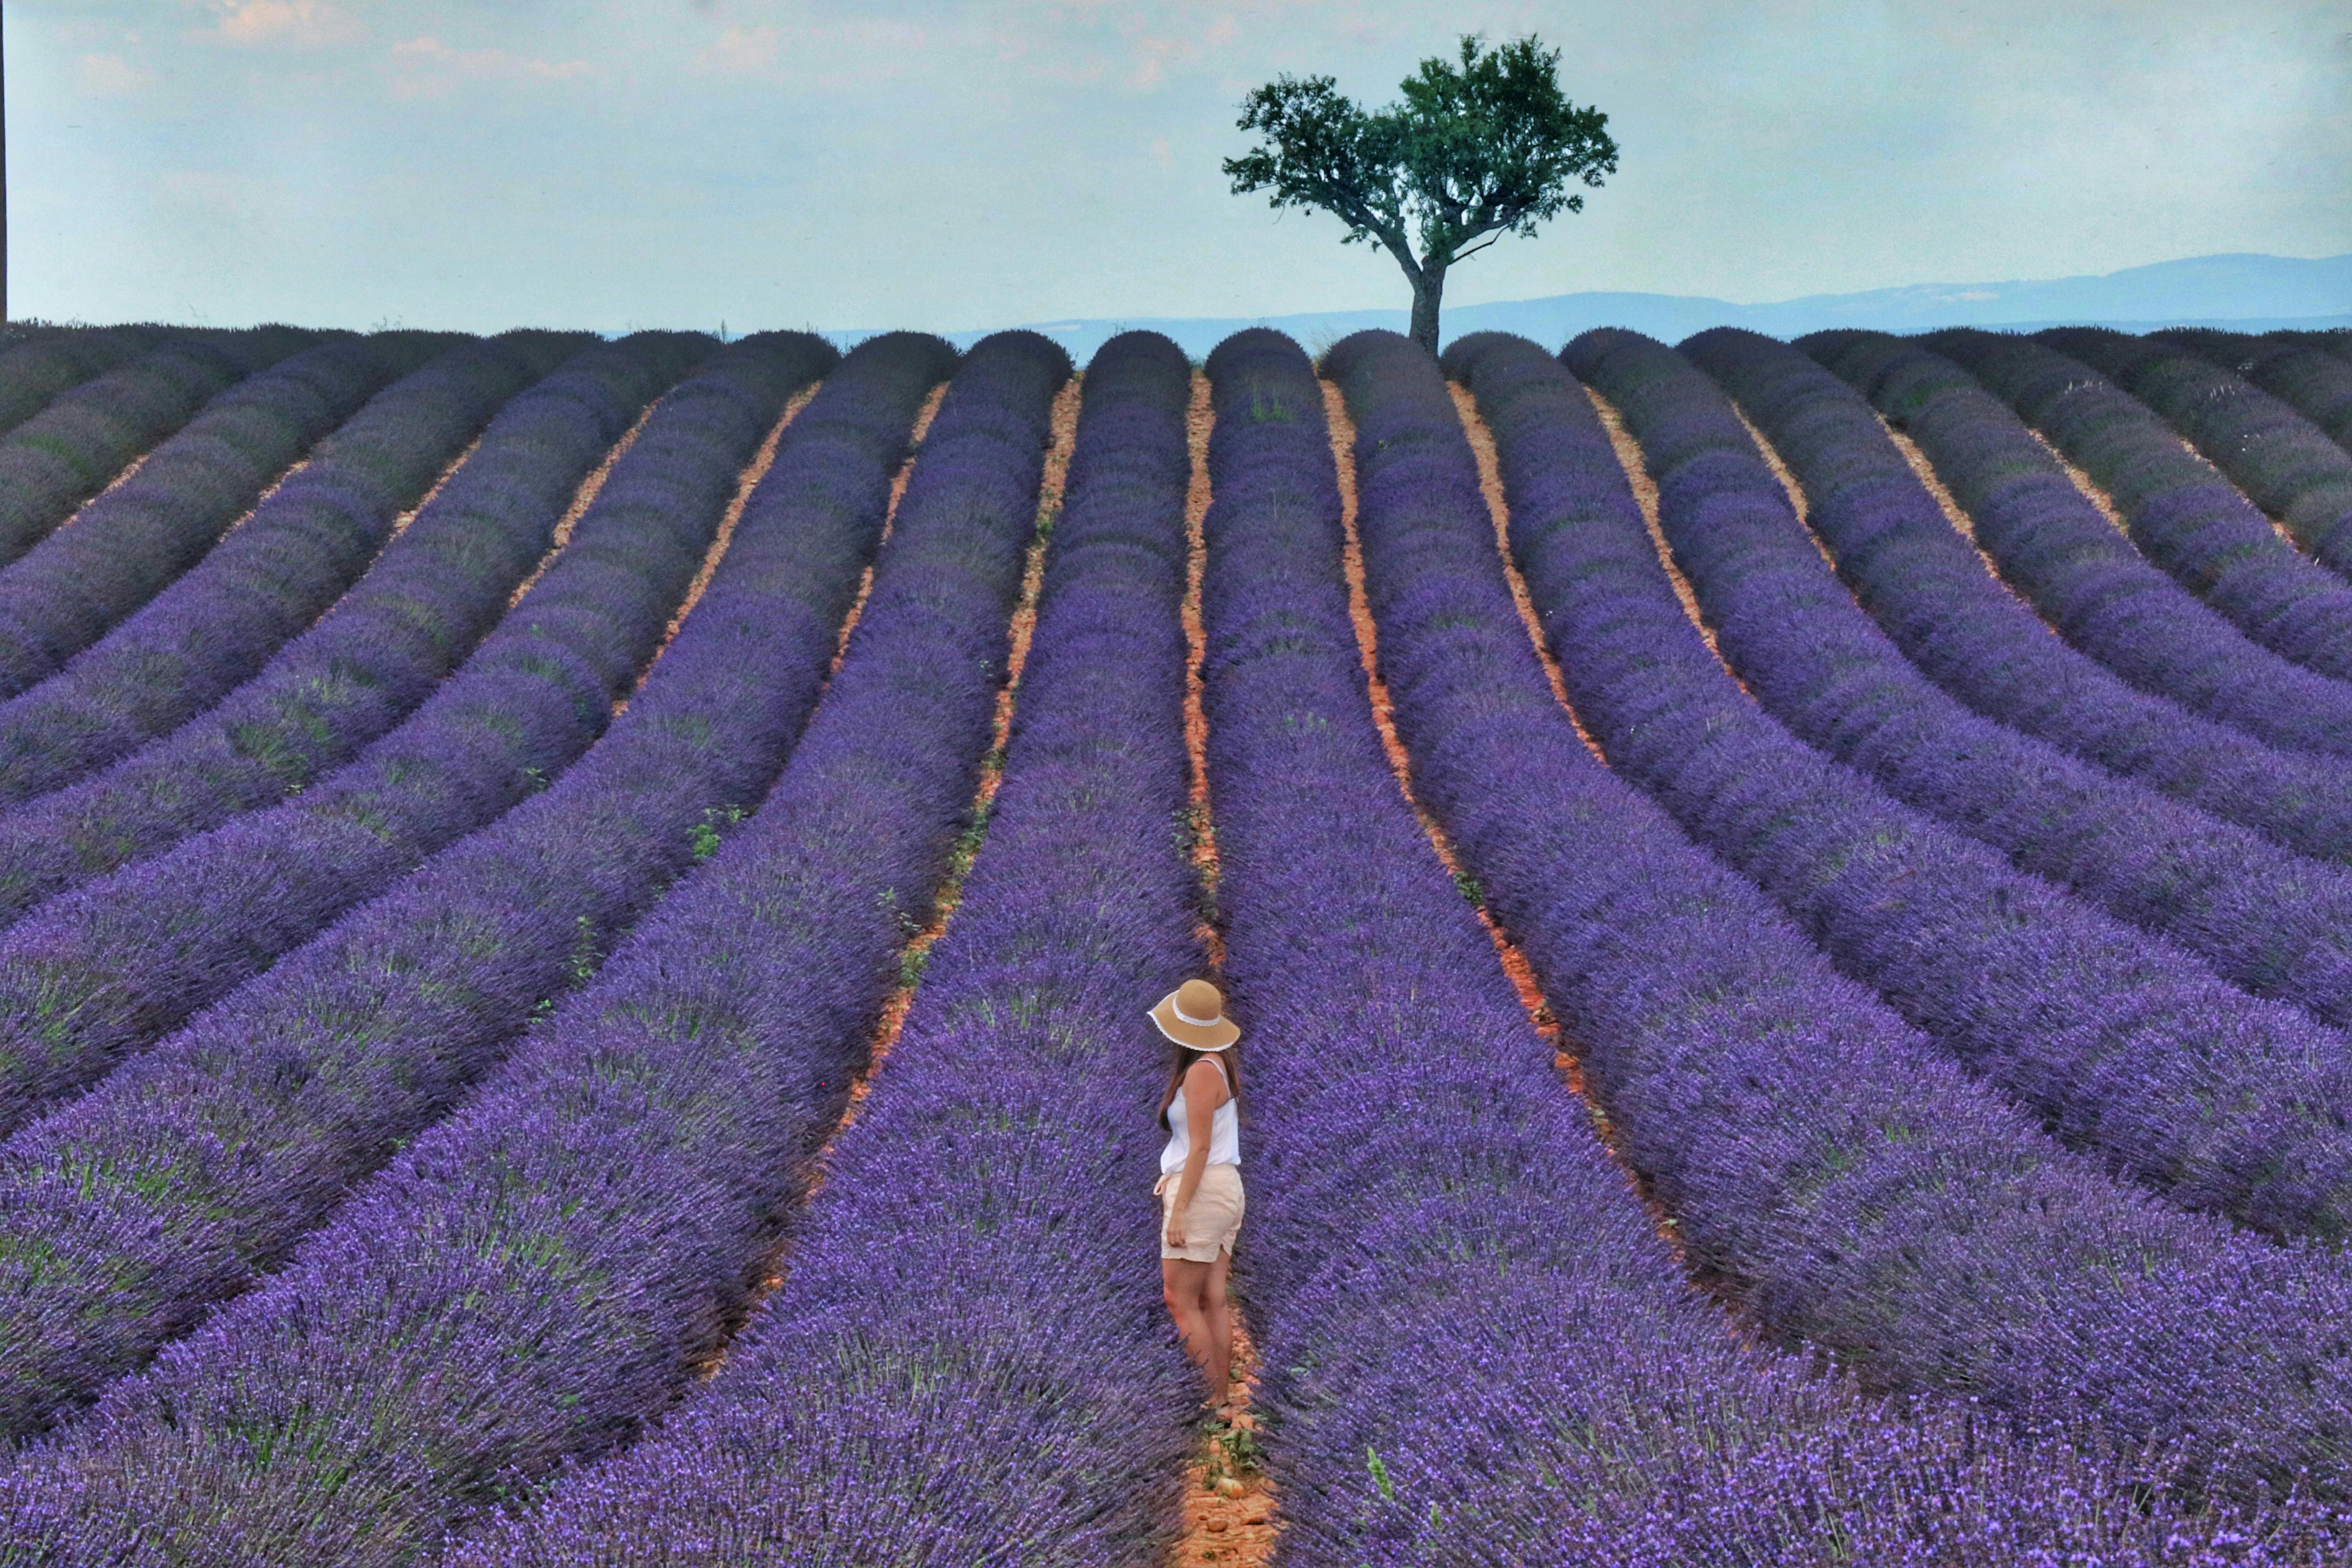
x=1184 y=1017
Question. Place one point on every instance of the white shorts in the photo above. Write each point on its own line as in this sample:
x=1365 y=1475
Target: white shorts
x=1215 y=1219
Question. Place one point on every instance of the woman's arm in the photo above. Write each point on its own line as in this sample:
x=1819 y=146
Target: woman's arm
x=1202 y=1081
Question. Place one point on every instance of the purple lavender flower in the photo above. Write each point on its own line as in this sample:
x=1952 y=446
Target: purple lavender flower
x=2187 y=519
x=591 y=1224
x=143 y=532
x=420 y=609
x=101 y=972
x=1826 y=1169
x=33 y=373
x=1478 y=1349
x=284 y=564
x=1921 y=582
x=2305 y=377
x=246 y=1130
x=2285 y=464
x=2264 y=918
x=2128 y=1045
x=72 y=449
x=2087 y=580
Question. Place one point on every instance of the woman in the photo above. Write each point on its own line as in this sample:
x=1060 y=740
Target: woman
x=1201 y=1177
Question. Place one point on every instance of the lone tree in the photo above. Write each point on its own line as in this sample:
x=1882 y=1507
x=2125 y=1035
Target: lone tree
x=1479 y=149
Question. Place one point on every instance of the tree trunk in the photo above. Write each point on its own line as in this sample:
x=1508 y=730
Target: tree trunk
x=1427 y=290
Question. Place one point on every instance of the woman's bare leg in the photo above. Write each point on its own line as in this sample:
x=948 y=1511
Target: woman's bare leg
x=1183 y=1284
x=1220 y=1321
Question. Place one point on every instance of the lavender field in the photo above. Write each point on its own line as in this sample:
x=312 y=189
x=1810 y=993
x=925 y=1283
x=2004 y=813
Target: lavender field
x=576 y=919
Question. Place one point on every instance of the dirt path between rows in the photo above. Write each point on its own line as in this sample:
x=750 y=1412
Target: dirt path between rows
x=922 y=428
x=1200 y=419
x=1921 y=469
x=1499 y=510
x=753 y=472
x=1949 y=504
x=1231 y=1511
x=992 y=767
x=1787 y=480
x=893 y=1015
x=1645 y=496
x=2085 y=483
x=581 y=500
x=745 y=483
x=1566 y=1059
x=400 y=524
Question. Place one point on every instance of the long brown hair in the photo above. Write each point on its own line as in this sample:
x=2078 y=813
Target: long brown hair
x=1183 y=1058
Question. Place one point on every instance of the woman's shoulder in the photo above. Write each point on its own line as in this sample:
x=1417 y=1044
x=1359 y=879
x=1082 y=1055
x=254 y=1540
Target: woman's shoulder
x=1207 y=1073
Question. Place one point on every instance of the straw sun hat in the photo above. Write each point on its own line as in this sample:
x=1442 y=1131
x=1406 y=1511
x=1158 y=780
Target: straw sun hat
x=1193 y=1016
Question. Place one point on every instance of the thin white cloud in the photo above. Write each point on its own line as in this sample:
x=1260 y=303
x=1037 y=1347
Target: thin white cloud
x=289 y=23
x=741 y=51
x=111 y=76
x=863 y=52
x=427 y=68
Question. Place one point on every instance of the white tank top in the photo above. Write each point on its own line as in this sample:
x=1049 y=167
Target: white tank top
x=1224 y=1131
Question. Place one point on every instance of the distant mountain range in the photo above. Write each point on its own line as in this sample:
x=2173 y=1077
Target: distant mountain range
x=2249 y=293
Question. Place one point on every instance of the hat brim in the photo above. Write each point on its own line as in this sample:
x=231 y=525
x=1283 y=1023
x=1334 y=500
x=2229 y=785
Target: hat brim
x=1213 y=1036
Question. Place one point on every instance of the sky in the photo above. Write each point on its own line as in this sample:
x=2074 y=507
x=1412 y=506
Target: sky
x=478 y=164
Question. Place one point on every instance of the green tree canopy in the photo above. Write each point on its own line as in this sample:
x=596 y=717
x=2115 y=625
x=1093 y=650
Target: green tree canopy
x=1479 y=148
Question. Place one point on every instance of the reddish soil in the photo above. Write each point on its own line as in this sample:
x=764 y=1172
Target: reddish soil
x=893 y=1017
x=749 y=480
x=922 y=428
x=1540 y=1016
x=1198 y=420
x=1646 y=494
x=1925 y=471
x=2085 y=483
x=400 y=524
x=1230 y=1519
x=1490 y=482
x=581 y=500
x=1230 y=1508
x=1787 y=482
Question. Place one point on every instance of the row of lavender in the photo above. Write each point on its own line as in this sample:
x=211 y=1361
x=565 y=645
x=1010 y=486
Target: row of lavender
x=2084 y=578
x=2080 y=1017
x=2261 y=915
x=428 y=600
x=1920 y=580
x=2285 y=464
x=965 y=1361
x=539 y=1273
x=220 y=619
x=99 y=973
x=158 y=521
x=1479 y=1351
x=2187 y=518
x=2299 y=372
x=33 y=372
x=178 y=1179
x=68 y=450
x=1825 y=1166
x=1763 y=1508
